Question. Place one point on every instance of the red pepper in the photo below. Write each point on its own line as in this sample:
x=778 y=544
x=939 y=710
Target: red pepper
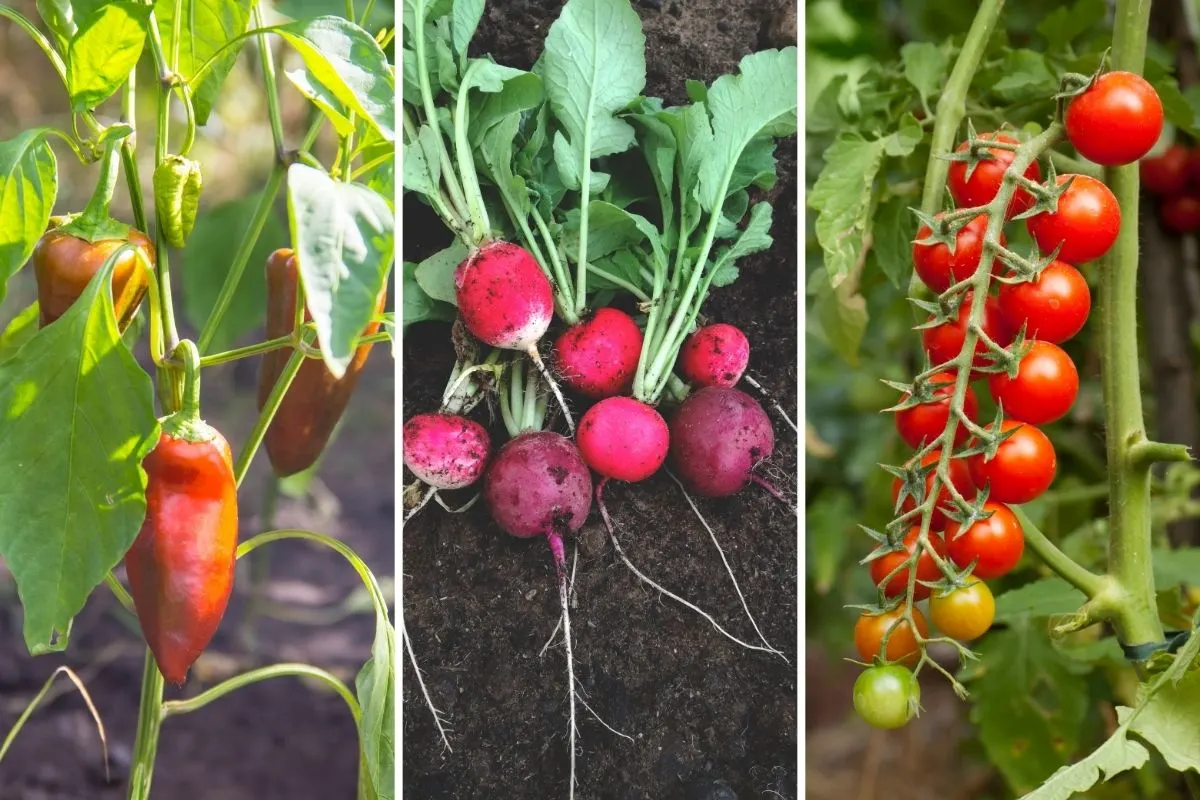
x=315 y=400
x=181 y=565
x=64 y=265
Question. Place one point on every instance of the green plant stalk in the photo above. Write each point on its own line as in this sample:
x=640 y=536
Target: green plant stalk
x=951 y=107
x=245 y=352
x=150 y=717
x=161 y=149
x=269 y=80
x=1136 y=619
x=457 y=201
x=40 y=40
x=466 y=160
x=129 y=154
x=254 y=439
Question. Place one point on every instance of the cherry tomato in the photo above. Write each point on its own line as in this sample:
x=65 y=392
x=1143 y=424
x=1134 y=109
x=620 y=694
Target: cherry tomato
x=995 y=543
x=938 y=268
x=1193 y=166
x=887 y=697
x=927 y=568
x=944 y=342
x=1053 y=308
x=1023 y=467
x=1044 y=388
x=966 y=612
x=925 y=422
x=1086 y=221
x=981 y=186
x=901 y=644
x=960 y=476
x=1165 y=174
x=1116 y=120
x=1181 y=213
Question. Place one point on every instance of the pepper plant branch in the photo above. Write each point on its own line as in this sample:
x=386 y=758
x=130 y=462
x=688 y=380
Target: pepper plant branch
x=150 y=717
x=1136 y=620
x=269 y=81
x=176 y=707
x=274 y=400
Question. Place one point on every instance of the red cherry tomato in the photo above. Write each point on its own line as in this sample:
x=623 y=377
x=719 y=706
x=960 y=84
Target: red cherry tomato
x=1193 y=166
x=965 y=613
x=901 y=645
x=1022 y=469
x=938 y=268
x=1181 y=213
x=1052 y=308
x=1116 y=120
x=960 y=476
x=925 y=422
x=1044 y=388
x=1165 y=174
x=1086 y=222
x=944 y=342
x=995 y=544
x=981 y=186
x=927 y=568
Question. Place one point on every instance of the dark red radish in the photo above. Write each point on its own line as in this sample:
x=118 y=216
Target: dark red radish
x=598 y=357
x=718 y=436
x=445 y=451
x=506 y=301
x=538 y=485
x=623 y=439
x=715 y=355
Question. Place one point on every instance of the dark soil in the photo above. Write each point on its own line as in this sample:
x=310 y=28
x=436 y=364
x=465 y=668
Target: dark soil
x=276 y=740
x=707 y=718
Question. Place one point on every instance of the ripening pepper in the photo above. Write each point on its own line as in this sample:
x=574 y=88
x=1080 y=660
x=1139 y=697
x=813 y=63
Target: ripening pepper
x=316 y=399
x=181 y=565
x=64 y=264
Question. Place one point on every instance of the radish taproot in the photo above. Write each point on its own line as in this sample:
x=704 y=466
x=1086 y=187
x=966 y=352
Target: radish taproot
x=539 y=485
x=718 y=436
x=505 y=300
x=597 y=357
x=715 y=355
x=623 y=439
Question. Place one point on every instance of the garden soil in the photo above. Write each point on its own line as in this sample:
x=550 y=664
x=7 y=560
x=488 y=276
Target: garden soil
x=700 y=717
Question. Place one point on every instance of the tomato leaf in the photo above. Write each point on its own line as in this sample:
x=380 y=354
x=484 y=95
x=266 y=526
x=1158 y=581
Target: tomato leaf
x=925 y=67
x=344 y=238
x=842 y=314
x=28 y=189
x=1064 y=25
x=1037 y=600
x=842 y=199
x=349 y=63
x=1030 y=704
x=104 y=49
x=79 y=419
x=1118 y=754
x=1027 y=77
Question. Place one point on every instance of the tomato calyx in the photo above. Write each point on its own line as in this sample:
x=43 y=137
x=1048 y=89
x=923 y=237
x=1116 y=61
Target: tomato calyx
x=943 y=228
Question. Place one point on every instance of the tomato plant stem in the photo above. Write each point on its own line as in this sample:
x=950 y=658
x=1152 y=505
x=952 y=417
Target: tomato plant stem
x=150 y=717
x=1136 y=619
x=1063 y=565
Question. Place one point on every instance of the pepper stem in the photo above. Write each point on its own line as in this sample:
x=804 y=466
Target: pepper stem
x=94 y=223
x=186 y=422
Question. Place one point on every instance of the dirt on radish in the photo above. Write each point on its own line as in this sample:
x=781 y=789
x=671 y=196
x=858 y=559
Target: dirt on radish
x=708 y=718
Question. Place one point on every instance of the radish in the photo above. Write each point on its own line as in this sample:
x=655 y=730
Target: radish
x=718 y=436
x=539 y=485
x=597 y=357
x=505 y=300
x=623 y=439
x=715 y=355
x=445 y=451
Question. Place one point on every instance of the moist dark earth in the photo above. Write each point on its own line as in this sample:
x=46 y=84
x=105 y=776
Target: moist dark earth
x=707 y=718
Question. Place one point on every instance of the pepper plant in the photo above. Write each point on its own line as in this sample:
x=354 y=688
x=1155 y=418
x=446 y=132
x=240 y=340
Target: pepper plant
x=93 y=479
x=1000 y=238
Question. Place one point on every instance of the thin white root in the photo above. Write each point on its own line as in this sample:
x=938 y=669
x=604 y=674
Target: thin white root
x=774 y=403
x=536 y=358
x=437 y=715
x=460 y=509
x=566 y=625
x=617 y=546
x=725 y=561
x=424 y=501
x=600 y=720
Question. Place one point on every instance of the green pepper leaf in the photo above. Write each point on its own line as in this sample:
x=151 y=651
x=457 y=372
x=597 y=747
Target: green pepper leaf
x=104 y=50
x=206 y=27
x=79 y=419
x=28 y=189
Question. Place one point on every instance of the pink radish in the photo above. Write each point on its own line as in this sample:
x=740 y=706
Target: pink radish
x=623 y=439
x=715 y=355
x=598 y=357
x=506 y=301
x=538 y=485
x=445 y=451
x=718 y=436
